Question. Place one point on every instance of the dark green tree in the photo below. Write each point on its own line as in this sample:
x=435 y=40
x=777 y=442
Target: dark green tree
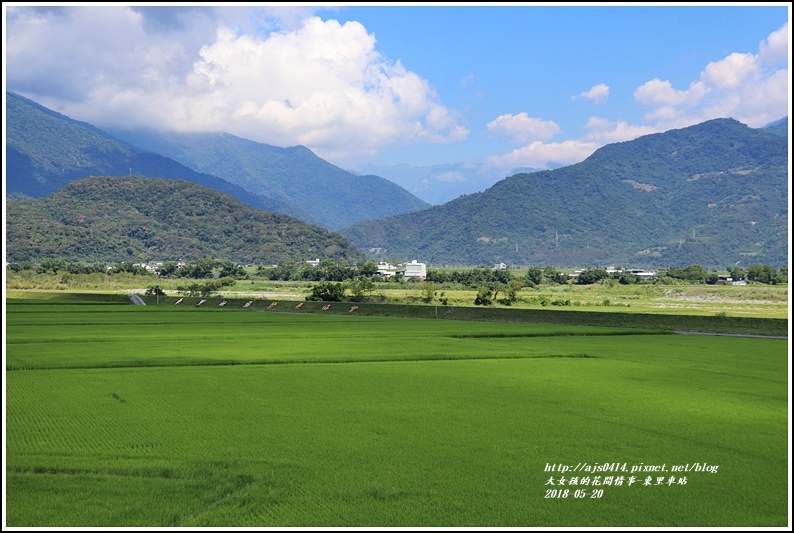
x=484 y=297
x=51 y=266
x=232 y=270
x=762 y=274
x=327 y=291
x=534 y=276
x=591 y=276
x=368 y=269
x=428 y=289
x=168 y=269
x=359 y=288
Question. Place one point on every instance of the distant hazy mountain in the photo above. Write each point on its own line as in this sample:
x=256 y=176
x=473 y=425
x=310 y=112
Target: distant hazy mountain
x=714 y=194
x=47 y=150
x=333 y=197
x=779 y=127
x=439 y=184
x=113 y=219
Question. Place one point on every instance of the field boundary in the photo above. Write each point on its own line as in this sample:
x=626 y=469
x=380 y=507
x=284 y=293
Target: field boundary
x=679 y=323
x=298 y=361
x=776 y=327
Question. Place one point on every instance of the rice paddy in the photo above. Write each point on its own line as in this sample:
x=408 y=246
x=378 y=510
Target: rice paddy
x=133 y=416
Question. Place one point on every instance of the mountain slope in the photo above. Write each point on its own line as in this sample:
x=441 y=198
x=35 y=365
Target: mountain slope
x=47 y=150
x=438 y=184
x=110 y=219
x=714 y=194
x=334 y=197
x=779 y=127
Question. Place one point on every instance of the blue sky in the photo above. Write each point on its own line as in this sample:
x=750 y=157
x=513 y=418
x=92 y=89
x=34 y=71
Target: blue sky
x=500 y=87
x=491 y=61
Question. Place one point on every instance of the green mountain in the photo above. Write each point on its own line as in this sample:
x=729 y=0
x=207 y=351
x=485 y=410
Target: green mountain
x=779 y=127
x=46 y=150
x=713 y=194
x=332 y=196
x=113 y=219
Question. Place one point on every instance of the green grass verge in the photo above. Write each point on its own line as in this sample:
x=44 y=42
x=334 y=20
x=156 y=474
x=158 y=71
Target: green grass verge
x=669 y=322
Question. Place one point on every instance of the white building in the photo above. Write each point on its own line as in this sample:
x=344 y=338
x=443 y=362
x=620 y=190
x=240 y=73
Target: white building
x=414 y=270
x=641 y=274
x=386 y=270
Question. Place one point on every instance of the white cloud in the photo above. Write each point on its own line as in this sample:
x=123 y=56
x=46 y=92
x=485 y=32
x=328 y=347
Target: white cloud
x=318 y=83
x=658 y=92
x=774 y=49
x=541 y=155
x=751 y=88
x=598 y=94
x=730 y=72
x=522 y=128
x=601 y=131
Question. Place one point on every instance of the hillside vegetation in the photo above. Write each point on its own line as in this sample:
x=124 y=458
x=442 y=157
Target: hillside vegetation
x=47 y=150
x=713 y=194
x=333 y=197
x=779 y=127
x=108 y=219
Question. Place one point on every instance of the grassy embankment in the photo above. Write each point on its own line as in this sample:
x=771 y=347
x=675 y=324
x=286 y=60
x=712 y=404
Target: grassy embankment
x=755 y=300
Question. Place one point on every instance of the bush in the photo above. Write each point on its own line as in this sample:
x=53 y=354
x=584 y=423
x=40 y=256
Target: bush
x=359 y=288
x=589 y=277
x=763 y=274
x=483 y=297
x=207 y=289
x=327 y=291
x=155 y=290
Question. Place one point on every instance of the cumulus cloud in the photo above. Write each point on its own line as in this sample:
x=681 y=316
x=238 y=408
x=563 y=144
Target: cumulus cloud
x=522 y=128
x=774 y=49
x=751 y=88
x=658 y=92
x=601 y=131
x=597 y=94
x=275 y=75
x=731 y=71
x=541 y=155
x=538 y=154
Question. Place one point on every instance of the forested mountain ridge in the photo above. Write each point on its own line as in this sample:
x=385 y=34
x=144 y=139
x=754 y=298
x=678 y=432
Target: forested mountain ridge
x=334 y=197
x=113 y=219
x=779 y=127
x=714 y=194
x=46 y=150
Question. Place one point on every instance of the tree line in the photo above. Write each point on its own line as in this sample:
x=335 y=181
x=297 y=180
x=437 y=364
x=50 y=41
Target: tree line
x=334 y=271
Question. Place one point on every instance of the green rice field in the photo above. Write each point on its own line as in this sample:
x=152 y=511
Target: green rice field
x=134 y=416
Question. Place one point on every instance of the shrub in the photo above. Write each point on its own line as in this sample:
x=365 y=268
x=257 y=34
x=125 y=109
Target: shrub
x=327 y=291
x=483 y=297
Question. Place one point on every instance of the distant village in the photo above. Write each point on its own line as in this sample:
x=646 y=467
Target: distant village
x=414 y=270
